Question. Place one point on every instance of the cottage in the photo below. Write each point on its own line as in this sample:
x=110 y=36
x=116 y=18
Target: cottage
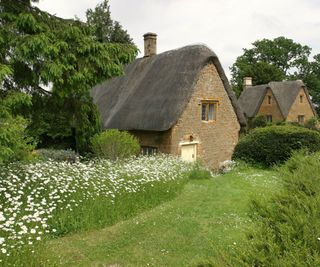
x=177 y=102
x=277 y=101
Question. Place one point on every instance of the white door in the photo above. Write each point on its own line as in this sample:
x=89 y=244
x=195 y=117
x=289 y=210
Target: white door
x=189 y=152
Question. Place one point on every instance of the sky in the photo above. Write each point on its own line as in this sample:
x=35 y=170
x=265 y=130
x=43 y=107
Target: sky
x=226 y=26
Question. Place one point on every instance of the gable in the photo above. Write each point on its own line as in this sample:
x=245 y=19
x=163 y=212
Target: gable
x=301 y=106
x=269 y=106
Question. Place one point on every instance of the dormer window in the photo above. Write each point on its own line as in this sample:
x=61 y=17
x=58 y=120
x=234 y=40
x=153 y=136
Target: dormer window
x=209 y=110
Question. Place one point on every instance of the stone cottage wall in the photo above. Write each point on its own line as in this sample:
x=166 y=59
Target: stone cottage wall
x=217 y=139
x=160 y=140
x=270 y=109
x=298 y=108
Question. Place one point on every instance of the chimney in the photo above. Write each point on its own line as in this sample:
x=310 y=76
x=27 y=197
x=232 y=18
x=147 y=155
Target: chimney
x=247 y=82
x=150 y=44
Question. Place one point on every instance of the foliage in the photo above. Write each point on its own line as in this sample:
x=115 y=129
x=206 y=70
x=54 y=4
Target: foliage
x=14 y=143
x=104 y=28
x=312 y=123
x=277 y=60
x=275 y=144
x=57 y=155
x=52 y=198
x=287 y=227
x=114 y=144
x=258 y=121
x=39 y=51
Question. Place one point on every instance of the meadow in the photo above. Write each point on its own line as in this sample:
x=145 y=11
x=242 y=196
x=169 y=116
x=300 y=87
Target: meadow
x=47 y=199
x=204 y=223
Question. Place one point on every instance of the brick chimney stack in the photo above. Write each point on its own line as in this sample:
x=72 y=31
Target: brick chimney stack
x=150 y=44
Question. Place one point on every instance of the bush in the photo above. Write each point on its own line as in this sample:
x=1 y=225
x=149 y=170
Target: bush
x=114 y=144
x=15 y=144
x=275 y=144
x=286 y=230
x=259 y=121
x=58 y=154
x=312 y=123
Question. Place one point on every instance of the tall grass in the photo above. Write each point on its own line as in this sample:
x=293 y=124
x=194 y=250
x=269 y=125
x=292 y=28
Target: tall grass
x=49 y=198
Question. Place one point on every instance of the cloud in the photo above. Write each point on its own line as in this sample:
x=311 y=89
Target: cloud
x=226 y=26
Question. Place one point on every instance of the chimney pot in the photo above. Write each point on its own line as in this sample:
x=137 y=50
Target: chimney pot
x=150 y=44
x=247 y=82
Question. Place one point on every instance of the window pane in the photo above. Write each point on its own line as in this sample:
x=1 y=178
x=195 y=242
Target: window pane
x=269 y=118
x=211 y=113
x=203 y=112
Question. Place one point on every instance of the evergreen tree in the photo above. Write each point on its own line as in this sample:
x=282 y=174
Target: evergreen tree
x=39 y=51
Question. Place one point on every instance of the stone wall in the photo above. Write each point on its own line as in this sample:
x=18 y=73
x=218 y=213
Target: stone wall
x=160 y=140
x=298 y=108
x=270 y=109
x=217 y=139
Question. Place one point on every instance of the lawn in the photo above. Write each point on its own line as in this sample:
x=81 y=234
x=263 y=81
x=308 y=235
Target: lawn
x=207 y=218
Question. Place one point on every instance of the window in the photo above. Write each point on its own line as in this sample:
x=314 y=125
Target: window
x=301 y=98
x=149 y=150
x=269 y=118
x=269 y=99
x=301 y=118
x=209 y=110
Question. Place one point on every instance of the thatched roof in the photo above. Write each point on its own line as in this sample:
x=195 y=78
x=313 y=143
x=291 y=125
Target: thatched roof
x=284 y=92
x=155 y=90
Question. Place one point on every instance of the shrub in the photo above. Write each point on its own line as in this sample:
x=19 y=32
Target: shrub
x=286 y=229
x=312 y=123
x=259 y=121
x=15 y=144
x=58 y=154
x=275 y=144
x=114 y=144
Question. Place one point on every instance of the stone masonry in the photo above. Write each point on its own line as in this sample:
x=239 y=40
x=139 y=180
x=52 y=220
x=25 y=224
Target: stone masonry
x=217 y=139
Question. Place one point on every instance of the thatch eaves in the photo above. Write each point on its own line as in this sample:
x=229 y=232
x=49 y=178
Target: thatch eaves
x=251 y=99
x=155 y=90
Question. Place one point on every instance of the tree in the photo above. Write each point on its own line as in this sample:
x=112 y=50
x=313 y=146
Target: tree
x=14 y=142
x=104 y=28
x=40 y=51
x=270 y=60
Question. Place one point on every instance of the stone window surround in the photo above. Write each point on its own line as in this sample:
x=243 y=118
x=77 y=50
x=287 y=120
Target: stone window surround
x=216 y=102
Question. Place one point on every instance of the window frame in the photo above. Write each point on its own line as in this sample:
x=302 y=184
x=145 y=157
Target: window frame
x=269 y=118
x=205 y=110
x=301 y=118
x=149 y=150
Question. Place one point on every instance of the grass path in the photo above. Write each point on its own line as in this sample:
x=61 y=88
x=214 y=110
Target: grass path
x=208 y=216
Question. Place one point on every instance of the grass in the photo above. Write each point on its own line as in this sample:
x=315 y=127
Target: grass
x=208 y=217
x=48 y=199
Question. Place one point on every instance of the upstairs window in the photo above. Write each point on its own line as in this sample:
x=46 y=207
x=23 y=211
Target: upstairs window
x=301 y=118
x=269 y=118
x=301 y=98
x=209 y=110
x=269 y=99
